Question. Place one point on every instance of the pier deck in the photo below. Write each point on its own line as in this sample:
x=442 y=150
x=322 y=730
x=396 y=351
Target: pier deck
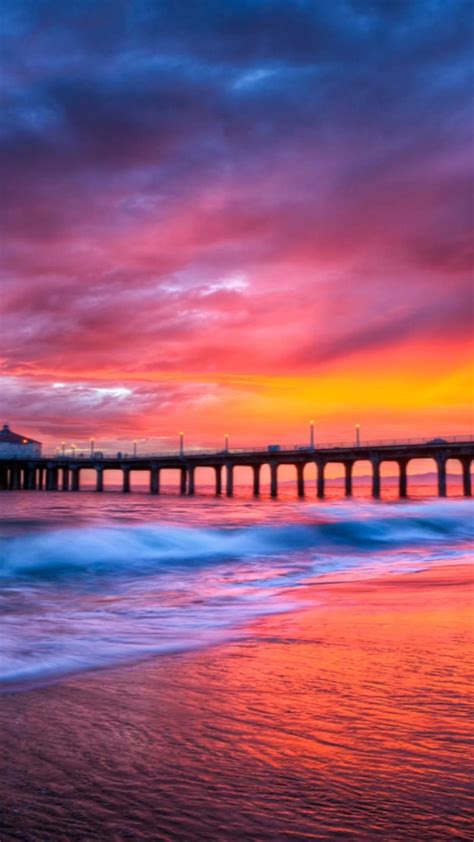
x=63 y=471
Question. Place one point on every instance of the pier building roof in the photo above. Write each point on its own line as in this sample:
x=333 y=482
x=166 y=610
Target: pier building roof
x=9 y=437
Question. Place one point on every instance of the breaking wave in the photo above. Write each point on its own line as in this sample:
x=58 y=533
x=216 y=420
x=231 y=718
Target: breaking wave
x=144 y=550
x=82 y=598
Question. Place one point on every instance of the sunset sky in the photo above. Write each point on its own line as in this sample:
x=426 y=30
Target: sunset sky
x=233 y=217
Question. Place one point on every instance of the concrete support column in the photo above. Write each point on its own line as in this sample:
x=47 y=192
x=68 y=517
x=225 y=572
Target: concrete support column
x=154 y=480
x=41 y=479
x=3 y=479
x=183 y=481
x=320 y=466
x=402 y=478
x=229 y=475
x=50 y=479
x=125 y=480
x=16 y=478
x=300 y=480
x=30 y=478
x=442 y=487
x=375 y=477
x=99 y=479
x=348 y=467
x=24 y=478
x=218 y=472
x=256 y=480
x=75 y=479
x=466 y=477
x=191 y=484
x=65 y=479
x=273 y=479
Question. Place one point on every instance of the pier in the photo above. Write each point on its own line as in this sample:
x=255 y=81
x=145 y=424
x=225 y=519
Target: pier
x=62 y=472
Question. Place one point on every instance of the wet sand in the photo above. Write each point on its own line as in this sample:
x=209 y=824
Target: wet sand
x=346 y=719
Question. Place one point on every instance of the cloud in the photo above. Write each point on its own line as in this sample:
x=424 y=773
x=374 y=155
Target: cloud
x=254 y=187
x=94 y=407
x=433 y=323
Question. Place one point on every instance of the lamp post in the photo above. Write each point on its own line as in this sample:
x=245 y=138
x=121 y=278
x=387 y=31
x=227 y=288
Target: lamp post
x=92 y=447
x=181 y=444
x=311 y=435
x=226 y=442
x=63 y=448
x=73 y=450
x=357 y=435
x=134 y=447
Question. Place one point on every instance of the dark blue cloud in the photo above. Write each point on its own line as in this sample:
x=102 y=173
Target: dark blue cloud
x=318 y=127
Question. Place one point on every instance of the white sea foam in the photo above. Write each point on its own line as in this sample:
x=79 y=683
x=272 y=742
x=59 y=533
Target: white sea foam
x=80 y=598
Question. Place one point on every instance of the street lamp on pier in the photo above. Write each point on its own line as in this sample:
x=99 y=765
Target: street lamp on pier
x=73 y=450
x=134 y=447
x=181 y=444
x=226 y=442
x=63 y=448
x=311 y=435
x=357 y=435
x=92 y=447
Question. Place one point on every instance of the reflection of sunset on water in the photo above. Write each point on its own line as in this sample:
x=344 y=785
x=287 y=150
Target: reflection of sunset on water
x=236 y=668
x=239 y=229
x=349 y=717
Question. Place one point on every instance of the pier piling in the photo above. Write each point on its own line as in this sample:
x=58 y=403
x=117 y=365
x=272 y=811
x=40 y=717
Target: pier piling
x=64 y=471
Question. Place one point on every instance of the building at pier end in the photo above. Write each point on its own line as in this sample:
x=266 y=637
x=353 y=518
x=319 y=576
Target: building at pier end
x=14 y=445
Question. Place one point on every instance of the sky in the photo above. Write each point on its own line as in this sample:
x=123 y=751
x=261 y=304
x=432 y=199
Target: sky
x=235 y=217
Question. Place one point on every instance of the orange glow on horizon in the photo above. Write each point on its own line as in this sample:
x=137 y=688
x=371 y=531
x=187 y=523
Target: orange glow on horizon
x=391 y=402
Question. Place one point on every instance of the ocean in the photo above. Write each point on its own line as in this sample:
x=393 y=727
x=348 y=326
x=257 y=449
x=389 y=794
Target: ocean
x=100 y=592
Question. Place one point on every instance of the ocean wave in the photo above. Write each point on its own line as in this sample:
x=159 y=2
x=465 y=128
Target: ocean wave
x=73 y=600
x=144 y=550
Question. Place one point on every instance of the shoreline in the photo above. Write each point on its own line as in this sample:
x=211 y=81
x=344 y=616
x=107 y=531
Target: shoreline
x=359 y=699
x=321 y=592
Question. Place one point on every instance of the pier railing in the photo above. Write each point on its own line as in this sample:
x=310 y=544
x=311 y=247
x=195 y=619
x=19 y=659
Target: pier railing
x=62 y=469
x=267 y=449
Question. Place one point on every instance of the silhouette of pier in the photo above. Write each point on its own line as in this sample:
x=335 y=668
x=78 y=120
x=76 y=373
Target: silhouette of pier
x=63 y=472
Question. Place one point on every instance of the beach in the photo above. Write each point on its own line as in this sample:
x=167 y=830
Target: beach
x=343 y=714
x=236 y=443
